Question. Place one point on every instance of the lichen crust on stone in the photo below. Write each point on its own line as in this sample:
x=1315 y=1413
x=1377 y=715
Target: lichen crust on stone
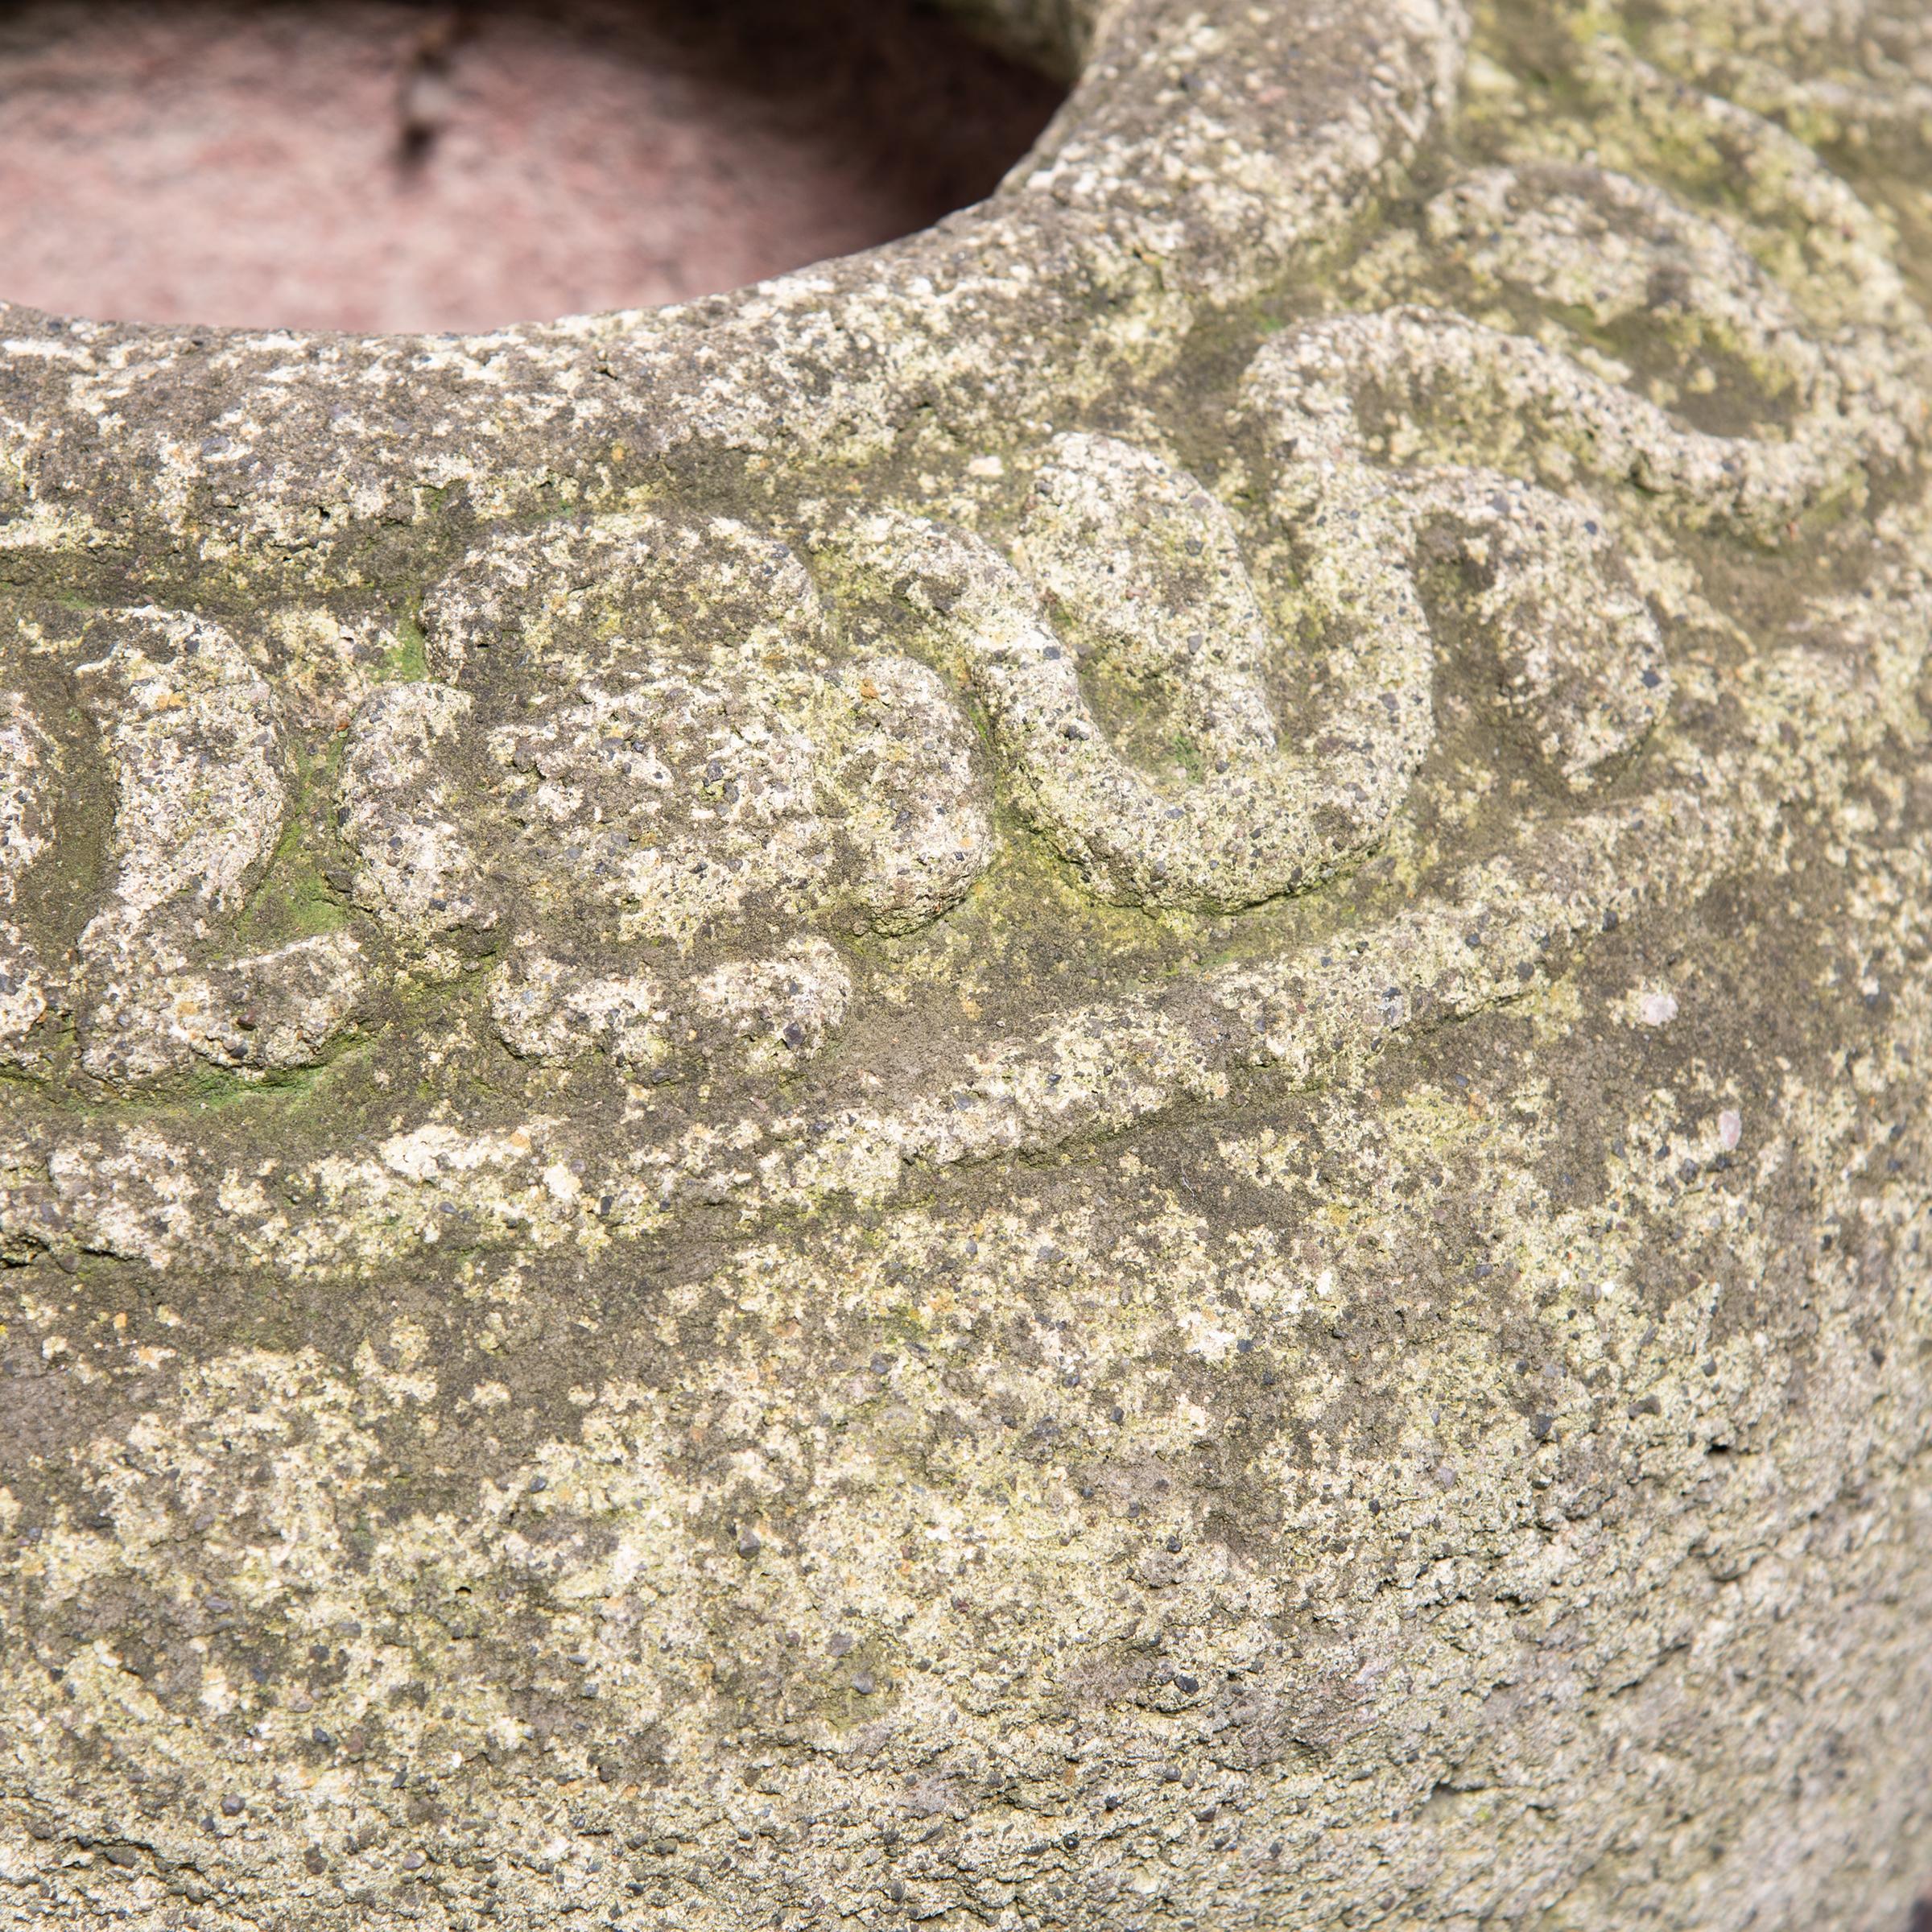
x=1074 y=1077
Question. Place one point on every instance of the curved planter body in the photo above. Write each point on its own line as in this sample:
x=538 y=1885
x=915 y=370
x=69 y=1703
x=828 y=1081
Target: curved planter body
x=1073 y=1078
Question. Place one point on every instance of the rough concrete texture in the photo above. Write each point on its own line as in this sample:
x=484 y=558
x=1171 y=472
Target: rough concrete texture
x=1075 y=1079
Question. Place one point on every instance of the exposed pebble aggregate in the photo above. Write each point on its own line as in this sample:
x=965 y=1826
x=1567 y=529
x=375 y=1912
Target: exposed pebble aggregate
x=1077 y=1080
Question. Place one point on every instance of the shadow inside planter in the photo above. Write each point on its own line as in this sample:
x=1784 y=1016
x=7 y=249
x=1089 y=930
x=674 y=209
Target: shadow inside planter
x=386 y=165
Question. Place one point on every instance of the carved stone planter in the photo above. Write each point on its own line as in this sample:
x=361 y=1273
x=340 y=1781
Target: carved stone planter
x=1074 y=1077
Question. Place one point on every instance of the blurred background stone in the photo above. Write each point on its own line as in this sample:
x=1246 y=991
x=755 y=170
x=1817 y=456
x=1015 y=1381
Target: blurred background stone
x=375 y=165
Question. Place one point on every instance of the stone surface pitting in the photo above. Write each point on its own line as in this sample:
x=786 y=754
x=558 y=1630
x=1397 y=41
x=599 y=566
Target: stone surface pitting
x=1076 y=1078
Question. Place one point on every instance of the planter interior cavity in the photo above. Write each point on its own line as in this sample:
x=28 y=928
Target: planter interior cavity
x=370 y=166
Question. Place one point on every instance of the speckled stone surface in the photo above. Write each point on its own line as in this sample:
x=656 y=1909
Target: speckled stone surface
x=1076 y=1077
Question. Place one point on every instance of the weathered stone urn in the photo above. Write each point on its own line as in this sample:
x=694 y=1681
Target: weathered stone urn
x=1076 y=1077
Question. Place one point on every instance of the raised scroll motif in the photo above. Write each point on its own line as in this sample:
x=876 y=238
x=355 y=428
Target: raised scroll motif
x=201 y=797
x=1613 y=249
x=660 y=775
x=639 y=747
x=1858 y=74
x=1576 y=652
x=1143 y=569
x=1192 y=733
